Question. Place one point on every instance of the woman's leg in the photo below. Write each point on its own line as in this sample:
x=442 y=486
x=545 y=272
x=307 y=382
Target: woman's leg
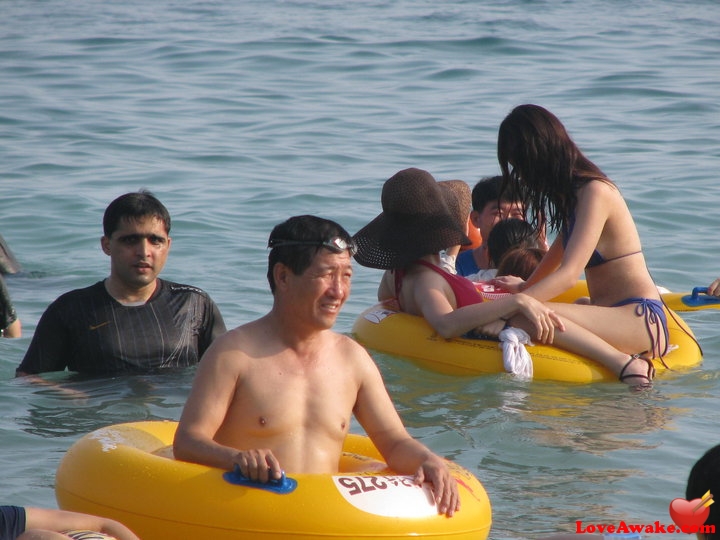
x=622 y=327
x=580 y=340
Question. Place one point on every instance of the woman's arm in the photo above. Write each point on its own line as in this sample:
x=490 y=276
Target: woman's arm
x=386 y=290
x=549 y=263
x=432 y=300
x=595 y=201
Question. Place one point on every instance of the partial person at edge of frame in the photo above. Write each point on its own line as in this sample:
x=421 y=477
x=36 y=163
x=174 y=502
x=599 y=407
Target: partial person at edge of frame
x=10 y=326
x=31 y=523
x=714 y=288
x=704 y=477
x=8 y=262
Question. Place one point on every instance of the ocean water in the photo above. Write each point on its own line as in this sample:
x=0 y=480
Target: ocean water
x=240 y=114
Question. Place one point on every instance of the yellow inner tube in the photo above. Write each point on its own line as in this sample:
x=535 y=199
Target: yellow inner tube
x=126 y=472
x=383 y=328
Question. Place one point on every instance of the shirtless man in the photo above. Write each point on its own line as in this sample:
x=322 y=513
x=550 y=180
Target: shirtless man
x=278 y=393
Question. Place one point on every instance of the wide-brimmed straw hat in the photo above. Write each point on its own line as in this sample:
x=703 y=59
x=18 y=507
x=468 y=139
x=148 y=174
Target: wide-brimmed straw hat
x=415 y=221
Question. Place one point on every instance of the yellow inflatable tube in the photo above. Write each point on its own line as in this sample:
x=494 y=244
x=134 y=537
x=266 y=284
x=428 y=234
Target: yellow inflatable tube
x=126 y=472
x=696 y=300
x=384 y=329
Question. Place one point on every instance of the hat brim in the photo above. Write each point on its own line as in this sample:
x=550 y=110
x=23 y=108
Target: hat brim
x=393 y=241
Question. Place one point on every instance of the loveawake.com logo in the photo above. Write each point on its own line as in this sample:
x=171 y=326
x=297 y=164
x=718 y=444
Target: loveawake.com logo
x=689 y=518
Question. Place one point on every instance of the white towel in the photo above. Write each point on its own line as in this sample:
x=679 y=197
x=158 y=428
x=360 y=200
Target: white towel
x=515 y=357
x=447 y=262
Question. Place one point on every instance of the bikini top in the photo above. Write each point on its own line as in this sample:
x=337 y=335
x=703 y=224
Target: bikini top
x=465 y=292
x=596 y=259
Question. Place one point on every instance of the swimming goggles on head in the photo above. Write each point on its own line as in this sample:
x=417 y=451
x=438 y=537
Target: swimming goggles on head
x=335 y=244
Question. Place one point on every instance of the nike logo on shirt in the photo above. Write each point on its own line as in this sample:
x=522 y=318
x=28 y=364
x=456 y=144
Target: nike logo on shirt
x=96 y=326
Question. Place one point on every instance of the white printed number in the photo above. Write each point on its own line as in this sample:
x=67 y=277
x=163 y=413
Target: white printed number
x=391 y=496
x=362 y=484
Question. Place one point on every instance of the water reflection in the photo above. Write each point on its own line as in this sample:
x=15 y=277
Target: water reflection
x=71 y=406
x=587 y=418
x=596 y=420
x=547 y=453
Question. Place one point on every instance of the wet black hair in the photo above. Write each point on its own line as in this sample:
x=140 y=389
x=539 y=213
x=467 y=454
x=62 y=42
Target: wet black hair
x=507 y=234
x=295 y=242
x=488 y=190
x=134 y=206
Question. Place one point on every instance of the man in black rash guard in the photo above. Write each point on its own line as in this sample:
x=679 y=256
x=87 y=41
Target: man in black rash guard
x=132 y=321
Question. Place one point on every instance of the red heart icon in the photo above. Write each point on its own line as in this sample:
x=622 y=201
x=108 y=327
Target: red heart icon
x=687 y=514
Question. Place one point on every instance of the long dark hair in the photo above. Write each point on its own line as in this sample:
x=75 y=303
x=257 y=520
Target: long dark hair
x=542 y=166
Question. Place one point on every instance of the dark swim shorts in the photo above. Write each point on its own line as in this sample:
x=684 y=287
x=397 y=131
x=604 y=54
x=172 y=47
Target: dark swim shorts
x=12 y=522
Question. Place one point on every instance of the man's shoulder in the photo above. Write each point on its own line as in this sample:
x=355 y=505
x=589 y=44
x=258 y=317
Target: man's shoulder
x=357 y=362
x=182 y=288
x=349 y=348
x=95 y=289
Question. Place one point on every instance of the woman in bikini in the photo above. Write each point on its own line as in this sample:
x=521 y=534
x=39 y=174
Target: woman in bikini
x=564 y=190
x=405 y=240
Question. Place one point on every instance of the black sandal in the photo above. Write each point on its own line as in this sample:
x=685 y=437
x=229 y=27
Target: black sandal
x=648 y=377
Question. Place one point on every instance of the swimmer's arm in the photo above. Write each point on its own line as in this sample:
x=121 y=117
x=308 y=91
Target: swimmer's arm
x=549 y=263
x=377 y=414
x=386 y=290
x=714 y=288
x=592 y=211
x=212 y=393
x=51 y=345
x=205 y=409
x=431 y=298
x=61 y=520
x=14 y=330
x=57 y=386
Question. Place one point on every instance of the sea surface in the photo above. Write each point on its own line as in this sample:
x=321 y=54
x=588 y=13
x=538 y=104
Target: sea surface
x=238 y=115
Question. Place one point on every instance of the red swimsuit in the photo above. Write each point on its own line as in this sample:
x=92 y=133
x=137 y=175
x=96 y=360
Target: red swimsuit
x=465 y=292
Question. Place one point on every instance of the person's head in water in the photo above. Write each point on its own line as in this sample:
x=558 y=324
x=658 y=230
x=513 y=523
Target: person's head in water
x=295 y=242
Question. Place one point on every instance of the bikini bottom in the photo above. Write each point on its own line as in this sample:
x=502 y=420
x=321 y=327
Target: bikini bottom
x=655 y=322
